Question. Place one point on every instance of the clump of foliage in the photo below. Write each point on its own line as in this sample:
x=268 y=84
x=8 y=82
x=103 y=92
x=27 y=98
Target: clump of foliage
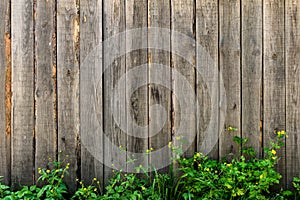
x=244 y=177
x=198 y=177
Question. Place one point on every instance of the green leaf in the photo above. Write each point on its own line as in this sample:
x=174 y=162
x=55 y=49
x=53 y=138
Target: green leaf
x=237 y=139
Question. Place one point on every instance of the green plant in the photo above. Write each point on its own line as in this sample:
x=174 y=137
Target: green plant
x=87 y=192
x=4 y=189
x=27 y=193
x=296 y=184
x=52 y=180
x=244 y=177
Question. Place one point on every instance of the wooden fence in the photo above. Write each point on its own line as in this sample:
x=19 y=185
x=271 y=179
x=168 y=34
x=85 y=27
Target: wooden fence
x=47 y=97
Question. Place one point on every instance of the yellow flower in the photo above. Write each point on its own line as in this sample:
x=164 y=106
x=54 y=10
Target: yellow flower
x=207 y=169
x=261 y=176
x=51 y=191
x=80 y=182
x=48 y=171
x=95 y=189
x=199 y=165
x=170 y=145
x=228 y=165
x=198 y=154
x=273 y=157
x=62 y=176
x=147 y=151
x=273 y=152
x=95 y=179
x=151 y=149
x=67 y=167
x=143 y=188
x=77 y=179
x=84 y=189
x=98 y=182
x=177 y=138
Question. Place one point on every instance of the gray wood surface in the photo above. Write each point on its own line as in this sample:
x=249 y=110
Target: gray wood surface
x=23 y=93
x=5 y=90
x=274 y=76
x=159 y=95
x=68 y=85
x=292 y=46
x=45 y=89
x=229 y=52
x=91 y=112
x=251 y=84
x=114 y=106
x=183 y=21
x=136 y=102
x=207 y=40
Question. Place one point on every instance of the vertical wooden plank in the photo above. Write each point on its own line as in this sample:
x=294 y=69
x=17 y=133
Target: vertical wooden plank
x=91 y=113
x=23 y=93
x=183 y=20
x=159 y=16
x=114 y=23
x=68 y=84
x=229 y=53
x=5 y=90
x=137 y=102
x=292 y=46
x=274 y=76
x=207 y=39
x=45 y=91
x=252 y=73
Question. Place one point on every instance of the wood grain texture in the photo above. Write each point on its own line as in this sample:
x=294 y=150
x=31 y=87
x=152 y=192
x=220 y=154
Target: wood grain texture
x=68 y=85
x=136 y=102
x=207 y=40
x=252 y=73
x=292 y=47
x=183 y=20
x=91 y=112
x=5 y=91
x=274 y=76
x=114 y=110
x=159 y=95
x=45 y=91
x=229 y=52
x=23 y=93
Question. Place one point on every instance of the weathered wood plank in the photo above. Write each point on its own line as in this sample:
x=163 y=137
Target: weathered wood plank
x=137 y=102
x=274 y=76
x=5 y=91
x=68 y=84
x=23 y=93
x=292 y=45
x=229 y=17
x=183 y=20
x=114 y=110
x=159 y=95
x=45 y=91
x=91 y=111
x=252 y=73
x=207 y=40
